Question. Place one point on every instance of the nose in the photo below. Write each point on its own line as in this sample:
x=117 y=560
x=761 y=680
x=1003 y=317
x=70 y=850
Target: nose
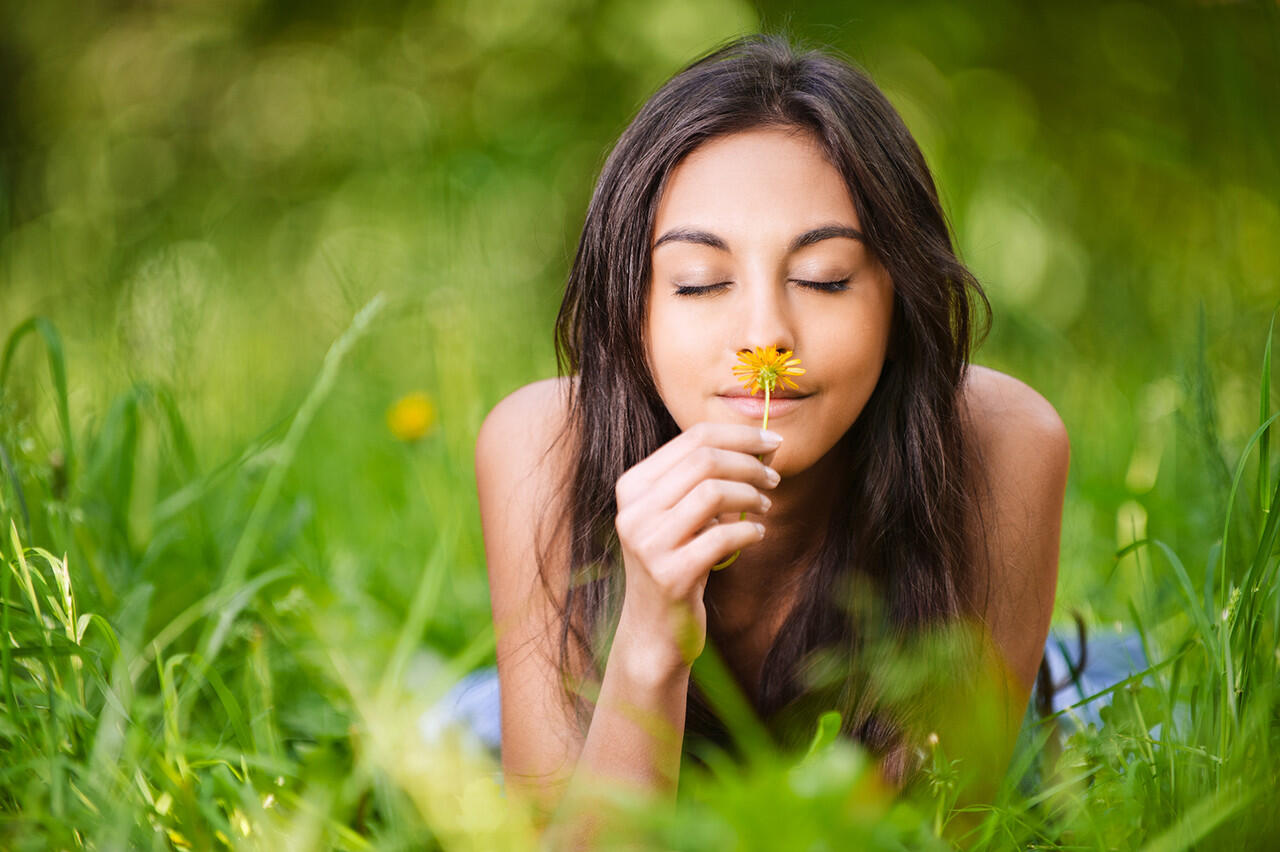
x=768 y=319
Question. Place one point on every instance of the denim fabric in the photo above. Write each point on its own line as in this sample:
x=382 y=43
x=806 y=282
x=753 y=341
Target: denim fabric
x=1111 y=656
x=473 y=702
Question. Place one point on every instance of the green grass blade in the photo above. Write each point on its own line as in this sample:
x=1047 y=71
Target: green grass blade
x=1200 y=819
x=231 y=707
x=480 y=646
x=234 y=599
x=211 y=641
x=1206 y=410
x=19 y=494
x=172 y=724
x=1257 y=436
x=260 y=694
x=6 y=655
x=57 y=370
x=24 y=573
x=726 y=698
x=1266 y=542
x=423 y=605
x=179 y=436
x=111 y=460
x=104 y=627
x=1201 y=619
x=1259 y=582
x=1264 y=408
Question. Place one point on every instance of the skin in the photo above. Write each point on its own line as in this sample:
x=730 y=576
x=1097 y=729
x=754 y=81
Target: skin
x=757 y=191
x=678 y=508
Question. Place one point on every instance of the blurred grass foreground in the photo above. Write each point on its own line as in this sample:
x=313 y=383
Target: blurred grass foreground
x=265 y=266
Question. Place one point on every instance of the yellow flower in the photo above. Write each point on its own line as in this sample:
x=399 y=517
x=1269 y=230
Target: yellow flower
x=411 y=416
x=765 y=367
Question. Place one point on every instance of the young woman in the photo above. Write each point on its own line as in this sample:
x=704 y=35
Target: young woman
x=762 y=197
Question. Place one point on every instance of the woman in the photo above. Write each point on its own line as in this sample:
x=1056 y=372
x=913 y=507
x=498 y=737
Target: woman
x=762 y=197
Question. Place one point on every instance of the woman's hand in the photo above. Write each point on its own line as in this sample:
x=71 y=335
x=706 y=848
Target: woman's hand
x=668 y=506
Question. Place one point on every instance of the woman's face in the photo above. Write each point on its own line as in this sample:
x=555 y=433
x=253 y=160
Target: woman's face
x=757 y=217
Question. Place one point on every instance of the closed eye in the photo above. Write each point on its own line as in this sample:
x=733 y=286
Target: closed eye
x=822 y=286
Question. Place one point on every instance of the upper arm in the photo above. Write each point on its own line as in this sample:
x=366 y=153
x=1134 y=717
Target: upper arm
x=1023 y=459
x=518 y=468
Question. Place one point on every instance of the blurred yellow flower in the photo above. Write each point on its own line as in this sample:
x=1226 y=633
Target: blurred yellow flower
x=765 y=367
x=411 y=416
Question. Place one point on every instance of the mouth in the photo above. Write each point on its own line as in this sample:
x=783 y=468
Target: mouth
x=780 y=393
x=753 y=406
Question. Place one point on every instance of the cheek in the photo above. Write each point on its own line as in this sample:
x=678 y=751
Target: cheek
x=668 y=359
x=852 y=350
x=673 y=347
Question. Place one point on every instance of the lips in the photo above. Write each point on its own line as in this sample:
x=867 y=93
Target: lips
x=753 y=406
x=779 y=393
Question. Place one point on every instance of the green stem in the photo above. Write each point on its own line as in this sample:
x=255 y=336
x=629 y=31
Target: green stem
x=742 y=517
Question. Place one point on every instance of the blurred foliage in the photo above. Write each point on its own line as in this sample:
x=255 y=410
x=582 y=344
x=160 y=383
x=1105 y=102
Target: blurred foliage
x=200 y=195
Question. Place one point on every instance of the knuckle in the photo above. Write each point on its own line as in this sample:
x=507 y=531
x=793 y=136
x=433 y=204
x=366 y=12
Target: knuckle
x=704 y=462
x=625 y=524
x=707 y=493
x=648 y=548
x=623 y=485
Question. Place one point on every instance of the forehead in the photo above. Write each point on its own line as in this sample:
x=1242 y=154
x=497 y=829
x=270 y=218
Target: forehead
x=755 y=184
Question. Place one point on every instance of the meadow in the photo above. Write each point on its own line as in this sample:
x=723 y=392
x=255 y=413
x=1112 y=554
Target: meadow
x=234 y=236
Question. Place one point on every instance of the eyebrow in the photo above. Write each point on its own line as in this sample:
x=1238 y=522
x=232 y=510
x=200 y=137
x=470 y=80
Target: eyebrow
x=808 y=238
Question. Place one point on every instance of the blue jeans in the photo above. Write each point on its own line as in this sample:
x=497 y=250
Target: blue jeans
x=1112 y=656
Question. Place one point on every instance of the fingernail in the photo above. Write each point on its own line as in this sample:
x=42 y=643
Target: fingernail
x=760 y=529
x=770 y=437
x=767 y=502
x=772 y=475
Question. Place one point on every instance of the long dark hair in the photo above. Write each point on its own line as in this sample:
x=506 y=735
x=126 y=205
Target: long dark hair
x=899 y=528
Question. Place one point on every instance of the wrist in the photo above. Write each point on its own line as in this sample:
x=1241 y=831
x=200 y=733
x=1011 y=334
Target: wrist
x=642 y=655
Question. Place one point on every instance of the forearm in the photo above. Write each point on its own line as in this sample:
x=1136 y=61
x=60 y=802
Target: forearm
x=634 y=742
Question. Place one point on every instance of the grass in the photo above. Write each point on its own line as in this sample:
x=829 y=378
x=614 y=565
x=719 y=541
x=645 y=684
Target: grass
x=158 y=725
x=221 y=676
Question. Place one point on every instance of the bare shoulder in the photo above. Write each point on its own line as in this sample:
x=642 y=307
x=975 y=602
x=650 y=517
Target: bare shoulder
x=1002 y=409
x=524 y=423
x=1022 y=460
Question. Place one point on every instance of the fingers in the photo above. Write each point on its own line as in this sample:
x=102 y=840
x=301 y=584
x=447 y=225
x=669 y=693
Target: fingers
x=706 y=463
x=706 y=501
x=719 y=541
x=637 y=481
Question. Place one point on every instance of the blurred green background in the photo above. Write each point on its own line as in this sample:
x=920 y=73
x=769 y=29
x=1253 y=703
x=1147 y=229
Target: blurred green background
x=200 y=195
